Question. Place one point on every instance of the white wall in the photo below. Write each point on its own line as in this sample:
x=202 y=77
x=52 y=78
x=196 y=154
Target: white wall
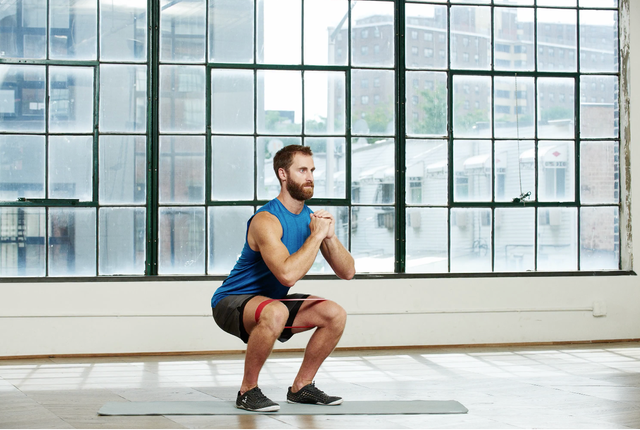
x=168 y=316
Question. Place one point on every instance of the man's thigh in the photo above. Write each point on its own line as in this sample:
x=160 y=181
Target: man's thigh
x=315 y=312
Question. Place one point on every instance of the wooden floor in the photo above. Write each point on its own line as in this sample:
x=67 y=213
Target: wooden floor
x=573 y=386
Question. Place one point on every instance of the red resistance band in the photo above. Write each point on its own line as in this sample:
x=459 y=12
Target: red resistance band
x=266 y=302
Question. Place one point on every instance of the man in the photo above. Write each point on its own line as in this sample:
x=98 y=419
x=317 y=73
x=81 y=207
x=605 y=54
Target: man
x=282 y=242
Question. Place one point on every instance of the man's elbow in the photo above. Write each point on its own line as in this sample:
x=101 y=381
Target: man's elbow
x=287 y=280
x=349 y=274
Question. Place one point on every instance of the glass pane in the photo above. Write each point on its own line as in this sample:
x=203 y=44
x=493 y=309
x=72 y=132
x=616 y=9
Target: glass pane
x=325 y=32
x=471 y=1
x=329 y=159
x=341 y=215
x=324 y=107
x=279 y=29
x=472 y=166
x=556 y=171
x=279 y=101
x=182 y=30
x=22 y=95
x=372 y=239
x=372 y=33
x=599 y=172
x=556 y=2
x=427 y=242
x=72 y=30
x=372 y=102
x=598 y=41
x=471 y=106
x=514 y=170
x=471 y=37
x=513 y=39
x=22 y=167
x=426 y=103
x=123 y=30
x=470 y=240
x=373 y=172
x=557 y=239
x=71 y=99
x=514 y=107
x=599 y=238
x=514 y=2
x=231 y=31
x=22 y=249
x=123 y=170
x=514 y=240
x=232 y=168
x=181 y=241
x=23 y=29
x=426 y=41
x=71 y=167
x=182 y=99
x=599 y=111
x=556 y=39
x=268 y=185
x=122 y=241
x=227 y=232
x=556 y=111
x=232 y=101
x=598 y=3
x=427 y=172
x=181 y=170
x=72 y=242
x=123 y=98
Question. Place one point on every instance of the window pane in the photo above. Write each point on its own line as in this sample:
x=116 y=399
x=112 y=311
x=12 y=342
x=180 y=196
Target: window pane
x=341 y=215
x=427 y=242
x=514 y=2
x=471 y=1
x=24 y=27
x=73 y=30
x=557 y=237
x=470 y=240
x=599 y=172
x=182 y=99
x=231 y=31
x=556 y=171
x=325 y=32
x=182 y=30
x=22 y=248
x=71 y=99
x=427 y=172
x=279 y=114
x=599 y=238
x=427 y=26
x=123 y=98
x=324 y=107
x=373 y=172
x=599 y=111
x=514 y=240
x=372 y=33
x=514 y=170
x=372 y=239
x=556 y=108
x=122 y=241
x=513 y=39
x=72 y=242
x=232 y=101
x=232 y=168
x=329 y=159
x=598 y=3
x=598 y=41
x=227 y=232
x=181 y=170
x=279 y=31
x=471 y=106
x=472 y=170
x=426 y=103
x=71 y=167
x=372 y=102
x=123 y=170
x=22 y=95
x=22 y=167
x=514 y=107
x=556 y=39
x=268 y=185
x=471 y=37
x=181 y=241
x=123 y=30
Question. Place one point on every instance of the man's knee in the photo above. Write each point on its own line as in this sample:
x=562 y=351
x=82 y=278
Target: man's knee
x=274 y=317
x=335 y=314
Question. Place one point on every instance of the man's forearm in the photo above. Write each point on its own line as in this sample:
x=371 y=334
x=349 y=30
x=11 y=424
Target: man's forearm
x=338 y=258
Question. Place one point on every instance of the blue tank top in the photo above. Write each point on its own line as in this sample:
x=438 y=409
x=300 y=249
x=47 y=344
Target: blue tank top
x=251 y=275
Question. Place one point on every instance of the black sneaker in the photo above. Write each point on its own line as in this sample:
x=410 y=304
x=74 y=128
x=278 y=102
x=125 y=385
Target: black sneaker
x=311 y=395
x=254 y=400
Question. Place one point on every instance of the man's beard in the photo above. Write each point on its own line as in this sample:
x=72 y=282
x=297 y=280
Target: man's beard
x=300 y=191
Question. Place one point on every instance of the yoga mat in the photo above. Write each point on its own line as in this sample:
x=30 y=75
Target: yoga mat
x=374 y=407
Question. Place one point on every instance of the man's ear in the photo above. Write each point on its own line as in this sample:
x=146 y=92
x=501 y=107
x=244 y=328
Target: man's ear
x=282 y=174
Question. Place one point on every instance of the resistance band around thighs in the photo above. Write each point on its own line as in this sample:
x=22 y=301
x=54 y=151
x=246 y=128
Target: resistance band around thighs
x=266 y=302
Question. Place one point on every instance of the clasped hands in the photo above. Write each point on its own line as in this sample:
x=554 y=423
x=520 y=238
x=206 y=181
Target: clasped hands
x=322 y=224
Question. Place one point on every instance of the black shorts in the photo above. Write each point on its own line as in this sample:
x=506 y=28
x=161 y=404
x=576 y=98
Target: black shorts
x=228 y=314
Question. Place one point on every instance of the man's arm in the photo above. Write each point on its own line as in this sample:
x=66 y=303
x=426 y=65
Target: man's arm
x=334 y=252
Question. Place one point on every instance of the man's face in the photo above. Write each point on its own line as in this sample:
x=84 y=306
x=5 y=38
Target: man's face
x=300 y=177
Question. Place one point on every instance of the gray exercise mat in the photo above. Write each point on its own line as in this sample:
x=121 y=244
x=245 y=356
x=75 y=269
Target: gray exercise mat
x=375 y=407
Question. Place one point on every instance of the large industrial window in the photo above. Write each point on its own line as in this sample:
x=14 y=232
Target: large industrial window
x=136 y=137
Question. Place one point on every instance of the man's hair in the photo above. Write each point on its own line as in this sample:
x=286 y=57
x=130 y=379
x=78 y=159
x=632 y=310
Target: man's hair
x=284 y=157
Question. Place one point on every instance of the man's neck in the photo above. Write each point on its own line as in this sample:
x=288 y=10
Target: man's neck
x=294 y=206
